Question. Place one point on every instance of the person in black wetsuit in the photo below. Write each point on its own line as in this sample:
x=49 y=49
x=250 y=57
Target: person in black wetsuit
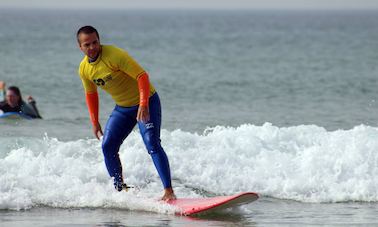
x=14 y=103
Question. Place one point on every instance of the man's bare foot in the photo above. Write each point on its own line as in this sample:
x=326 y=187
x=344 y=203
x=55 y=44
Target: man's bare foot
x=168 y=195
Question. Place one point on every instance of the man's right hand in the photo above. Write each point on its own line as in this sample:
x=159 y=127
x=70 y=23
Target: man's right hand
x=2 y=84
x=97 y=130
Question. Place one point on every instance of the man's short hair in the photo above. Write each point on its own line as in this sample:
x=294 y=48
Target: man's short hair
x=86 y=30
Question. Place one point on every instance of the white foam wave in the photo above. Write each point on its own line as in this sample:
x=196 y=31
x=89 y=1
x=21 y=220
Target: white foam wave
x=304 y=163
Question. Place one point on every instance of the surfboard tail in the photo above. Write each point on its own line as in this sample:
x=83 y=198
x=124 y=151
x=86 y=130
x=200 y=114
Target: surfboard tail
x=199 y=206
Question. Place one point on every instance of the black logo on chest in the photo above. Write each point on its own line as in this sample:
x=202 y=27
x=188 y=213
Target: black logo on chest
x=102 y=81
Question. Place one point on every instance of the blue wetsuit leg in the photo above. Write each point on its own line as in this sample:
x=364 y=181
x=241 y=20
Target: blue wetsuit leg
x=121 y=122
x=150 y=132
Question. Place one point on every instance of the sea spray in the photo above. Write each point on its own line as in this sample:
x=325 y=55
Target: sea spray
x=305 y=163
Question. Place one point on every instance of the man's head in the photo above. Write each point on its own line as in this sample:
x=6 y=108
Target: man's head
x=13 y=96
x=89 y=41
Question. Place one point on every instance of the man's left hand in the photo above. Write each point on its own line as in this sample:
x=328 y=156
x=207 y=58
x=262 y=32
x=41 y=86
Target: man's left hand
x=143 y=114
x=30 y=99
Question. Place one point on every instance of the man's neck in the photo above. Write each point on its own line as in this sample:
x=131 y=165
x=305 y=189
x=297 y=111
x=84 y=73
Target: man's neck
x=93 y=59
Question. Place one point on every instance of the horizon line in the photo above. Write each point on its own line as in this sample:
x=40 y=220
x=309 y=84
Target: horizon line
x=192 y=8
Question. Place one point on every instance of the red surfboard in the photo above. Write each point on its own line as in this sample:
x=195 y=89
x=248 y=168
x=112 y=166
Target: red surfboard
x=196 y=206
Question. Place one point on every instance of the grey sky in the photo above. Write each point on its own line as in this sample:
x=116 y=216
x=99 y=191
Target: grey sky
x=193 y=4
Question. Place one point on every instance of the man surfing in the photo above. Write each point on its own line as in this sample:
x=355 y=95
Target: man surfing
x=137 y=102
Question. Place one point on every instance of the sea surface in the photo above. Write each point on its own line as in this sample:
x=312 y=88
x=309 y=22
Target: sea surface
x=282 y=103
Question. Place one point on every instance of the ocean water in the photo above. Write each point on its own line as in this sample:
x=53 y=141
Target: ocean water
x=283 y=103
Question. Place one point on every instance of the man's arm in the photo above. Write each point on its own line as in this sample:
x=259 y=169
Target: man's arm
x=144 y=95
x=33 y=105
x=128 y=65
x=2 y=91
x=92 y=104
x=91 y=97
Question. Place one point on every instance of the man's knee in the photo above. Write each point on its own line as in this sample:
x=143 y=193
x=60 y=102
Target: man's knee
x=154 y=147
x=109 y=147
x=152 y=143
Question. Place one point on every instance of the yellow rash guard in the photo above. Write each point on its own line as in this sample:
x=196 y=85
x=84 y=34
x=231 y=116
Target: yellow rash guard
x=115 y=72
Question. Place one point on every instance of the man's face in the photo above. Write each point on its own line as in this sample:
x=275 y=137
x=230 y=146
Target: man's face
x=12 y=98
x=89 y=44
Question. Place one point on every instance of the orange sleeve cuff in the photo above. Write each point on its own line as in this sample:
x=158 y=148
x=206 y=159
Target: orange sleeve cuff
x=144 y=89
x=92 y=103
